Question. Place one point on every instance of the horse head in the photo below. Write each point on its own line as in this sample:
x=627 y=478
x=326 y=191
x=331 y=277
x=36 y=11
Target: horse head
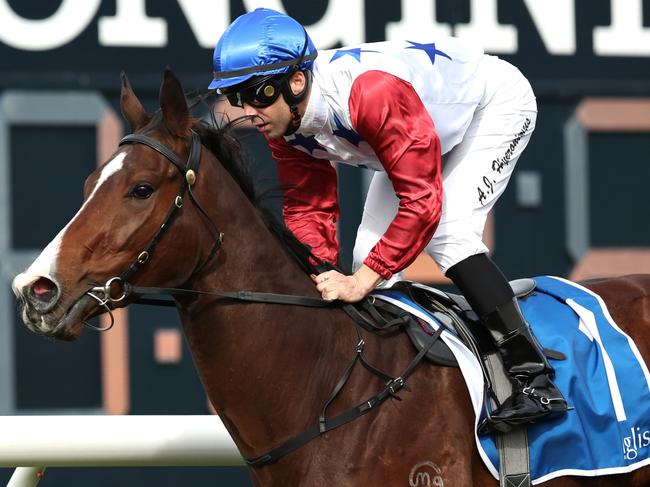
x=126 y=201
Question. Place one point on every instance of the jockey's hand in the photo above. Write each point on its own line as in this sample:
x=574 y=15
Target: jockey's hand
x=334 y=285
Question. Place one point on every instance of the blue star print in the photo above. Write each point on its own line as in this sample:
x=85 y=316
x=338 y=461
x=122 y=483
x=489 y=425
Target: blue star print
x=355 y=53
x=345 y=133
x=310 y=143
x=430 y=49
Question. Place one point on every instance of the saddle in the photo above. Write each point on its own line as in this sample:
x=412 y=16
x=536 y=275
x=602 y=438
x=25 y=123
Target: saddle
x=453 y=312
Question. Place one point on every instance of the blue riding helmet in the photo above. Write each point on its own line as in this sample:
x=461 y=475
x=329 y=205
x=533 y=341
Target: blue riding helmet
x=260 y=43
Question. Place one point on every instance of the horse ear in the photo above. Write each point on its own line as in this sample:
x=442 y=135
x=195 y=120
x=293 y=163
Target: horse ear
x=174 y=105
x=131 y=107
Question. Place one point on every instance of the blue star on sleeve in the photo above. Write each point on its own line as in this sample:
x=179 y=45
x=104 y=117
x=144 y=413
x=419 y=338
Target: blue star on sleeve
x=345 y=133
x=310 y=143
x=430 y=49
x=354 y=52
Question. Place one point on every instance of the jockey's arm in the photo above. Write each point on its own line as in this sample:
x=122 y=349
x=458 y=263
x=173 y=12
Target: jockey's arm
x=310 y=205
x=389 y=115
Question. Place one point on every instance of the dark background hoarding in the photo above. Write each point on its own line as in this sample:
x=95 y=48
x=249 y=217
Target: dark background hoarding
x=570 y=50
x=560 y=46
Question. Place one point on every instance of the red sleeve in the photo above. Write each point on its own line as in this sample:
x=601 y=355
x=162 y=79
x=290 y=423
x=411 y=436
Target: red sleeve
x=388 y=114
x=310 y=205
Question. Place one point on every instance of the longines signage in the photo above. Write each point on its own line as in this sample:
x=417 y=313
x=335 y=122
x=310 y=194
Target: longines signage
x=570 y=40
x=342 y=22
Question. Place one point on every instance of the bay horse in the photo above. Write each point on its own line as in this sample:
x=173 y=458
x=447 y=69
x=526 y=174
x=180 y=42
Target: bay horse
x=267 y=368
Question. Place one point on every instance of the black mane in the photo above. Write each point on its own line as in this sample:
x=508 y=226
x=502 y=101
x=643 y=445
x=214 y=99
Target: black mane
x=229 y=151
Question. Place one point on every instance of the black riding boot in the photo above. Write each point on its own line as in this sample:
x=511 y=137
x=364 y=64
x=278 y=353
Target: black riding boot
x=489 y=294
x=534 y=396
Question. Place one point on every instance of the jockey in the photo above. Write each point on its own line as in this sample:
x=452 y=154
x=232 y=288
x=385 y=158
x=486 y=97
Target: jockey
x=442 y=126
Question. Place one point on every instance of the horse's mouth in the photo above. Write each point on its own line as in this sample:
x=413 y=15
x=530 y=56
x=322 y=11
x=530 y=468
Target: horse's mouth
x=67 y=326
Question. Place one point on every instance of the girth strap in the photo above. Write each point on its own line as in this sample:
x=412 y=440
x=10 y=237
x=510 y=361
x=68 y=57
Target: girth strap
x=514 y=460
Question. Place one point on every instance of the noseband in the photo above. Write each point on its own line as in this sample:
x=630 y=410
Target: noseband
x=103 y=294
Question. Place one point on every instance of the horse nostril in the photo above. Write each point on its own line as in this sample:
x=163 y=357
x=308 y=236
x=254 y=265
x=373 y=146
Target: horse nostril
x=43 y=290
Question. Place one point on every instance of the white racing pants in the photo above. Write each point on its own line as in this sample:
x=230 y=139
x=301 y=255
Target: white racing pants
x=475 y=172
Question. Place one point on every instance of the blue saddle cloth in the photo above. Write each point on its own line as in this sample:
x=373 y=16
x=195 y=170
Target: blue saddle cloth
x=604 y=378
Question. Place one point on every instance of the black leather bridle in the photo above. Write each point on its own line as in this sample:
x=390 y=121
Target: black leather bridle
x=104 y=295
x=188 y=171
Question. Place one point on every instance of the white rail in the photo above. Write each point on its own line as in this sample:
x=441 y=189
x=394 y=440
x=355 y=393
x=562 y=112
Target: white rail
x=26 y=477
x=116 y=441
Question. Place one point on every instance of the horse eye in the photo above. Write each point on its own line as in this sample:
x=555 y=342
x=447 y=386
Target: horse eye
x=142 y=191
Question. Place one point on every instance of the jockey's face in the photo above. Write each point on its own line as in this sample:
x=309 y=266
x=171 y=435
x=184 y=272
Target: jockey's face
x=273 y=120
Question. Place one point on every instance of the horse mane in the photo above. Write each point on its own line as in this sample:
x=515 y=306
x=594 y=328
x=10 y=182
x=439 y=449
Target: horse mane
x=228 y=150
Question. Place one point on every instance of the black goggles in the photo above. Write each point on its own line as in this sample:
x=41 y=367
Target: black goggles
x=260 y=95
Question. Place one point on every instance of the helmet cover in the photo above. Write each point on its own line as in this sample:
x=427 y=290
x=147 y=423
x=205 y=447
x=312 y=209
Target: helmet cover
x=260 y=43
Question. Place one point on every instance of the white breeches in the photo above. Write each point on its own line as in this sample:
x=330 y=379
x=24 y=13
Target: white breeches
x=475 y=172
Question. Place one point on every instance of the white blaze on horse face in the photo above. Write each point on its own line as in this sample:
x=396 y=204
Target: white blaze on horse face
x=45 y=264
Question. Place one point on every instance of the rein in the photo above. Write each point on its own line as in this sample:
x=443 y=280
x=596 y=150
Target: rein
x=104 y=296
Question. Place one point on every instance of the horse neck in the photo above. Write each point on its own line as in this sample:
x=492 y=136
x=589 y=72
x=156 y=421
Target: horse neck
x=251 y=257
x=254 y=358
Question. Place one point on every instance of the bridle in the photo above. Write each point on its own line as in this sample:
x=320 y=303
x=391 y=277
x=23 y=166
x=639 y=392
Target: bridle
x=188 y=171
x=104 y=295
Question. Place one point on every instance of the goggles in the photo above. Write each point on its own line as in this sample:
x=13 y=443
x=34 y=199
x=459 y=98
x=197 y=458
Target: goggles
x=260 y=95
